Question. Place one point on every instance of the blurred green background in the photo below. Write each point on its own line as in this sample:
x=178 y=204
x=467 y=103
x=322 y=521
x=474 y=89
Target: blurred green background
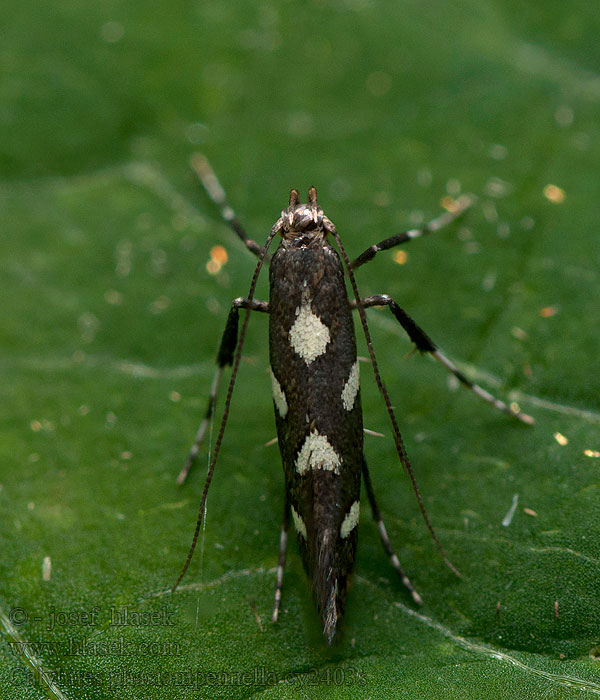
x=111 y=322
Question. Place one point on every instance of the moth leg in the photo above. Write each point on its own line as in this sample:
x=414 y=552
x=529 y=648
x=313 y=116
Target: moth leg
x=384 y=536
x=282 y=551
x=224 y=358
x=460 y=206
x=215 y=191
x=425 y=344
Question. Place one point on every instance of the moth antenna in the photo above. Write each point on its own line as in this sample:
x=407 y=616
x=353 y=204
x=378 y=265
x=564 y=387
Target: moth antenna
x=215 y=191
x=294 y=198
x=312 y=196
x=381 y=386
x=236 y=363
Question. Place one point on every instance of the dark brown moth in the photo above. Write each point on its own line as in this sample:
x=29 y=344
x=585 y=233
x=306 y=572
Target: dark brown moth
x=317 y=401
x=316 y=390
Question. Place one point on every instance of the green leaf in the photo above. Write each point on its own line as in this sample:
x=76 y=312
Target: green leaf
x=111 y=323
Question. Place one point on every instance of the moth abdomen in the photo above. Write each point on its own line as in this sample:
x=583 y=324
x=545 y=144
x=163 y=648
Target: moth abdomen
x=328 y=548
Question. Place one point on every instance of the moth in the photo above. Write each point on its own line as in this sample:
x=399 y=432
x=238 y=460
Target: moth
x=316 y=389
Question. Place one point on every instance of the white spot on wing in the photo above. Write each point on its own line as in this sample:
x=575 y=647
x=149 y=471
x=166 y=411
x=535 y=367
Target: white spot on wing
x=309 y=336
x=317 y=453
x=351 y=387
x=299 y=523
x=279 y=396
x=351 y=520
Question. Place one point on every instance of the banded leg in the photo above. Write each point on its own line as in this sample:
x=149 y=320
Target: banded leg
x=425 y=344
x=384 y=536
x=224 y=358
x=459 y=208
x=215 y=191
x=282 y=551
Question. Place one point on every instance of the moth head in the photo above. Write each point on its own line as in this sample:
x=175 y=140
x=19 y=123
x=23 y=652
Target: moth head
x=300 y=219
